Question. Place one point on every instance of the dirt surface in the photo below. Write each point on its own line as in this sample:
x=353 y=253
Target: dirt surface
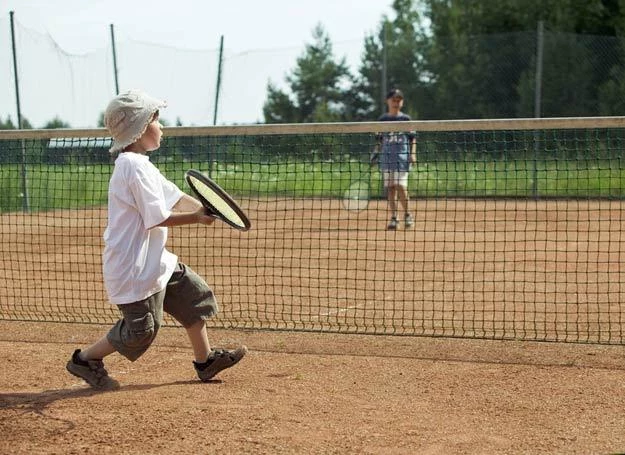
x=313 y=393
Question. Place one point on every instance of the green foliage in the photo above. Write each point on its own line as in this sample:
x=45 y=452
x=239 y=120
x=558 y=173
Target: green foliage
x=482 y=56
x=584 y=163
x=78 y=186
x=26 y=125
x=11 y=197
x=55 y=123
x=458 y=59
x=316 y=92
x=7 y=124
x=278 y=108
x=397 y=51
x=54 y=187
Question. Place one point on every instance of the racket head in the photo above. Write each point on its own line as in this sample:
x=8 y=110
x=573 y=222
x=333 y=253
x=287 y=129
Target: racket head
x=356 y=197
x=216 y=201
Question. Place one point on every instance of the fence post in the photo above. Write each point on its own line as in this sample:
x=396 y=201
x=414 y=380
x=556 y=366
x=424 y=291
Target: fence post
x=25 y=199
x=537 y=99
x=217 y=89
x=114 y=59
x=383 y=82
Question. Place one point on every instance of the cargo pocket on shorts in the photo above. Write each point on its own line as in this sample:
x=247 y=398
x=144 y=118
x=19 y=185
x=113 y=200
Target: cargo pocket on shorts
x=140 y=330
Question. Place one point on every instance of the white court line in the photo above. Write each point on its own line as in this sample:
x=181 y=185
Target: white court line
x=334 y=312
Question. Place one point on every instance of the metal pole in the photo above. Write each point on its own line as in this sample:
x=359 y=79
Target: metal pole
x=25 y=199
x=539 y=69
x=384 y=65
x=221 y=50
x=17 y=85
x=114 y=59
x=217 y=90
x=540 y=33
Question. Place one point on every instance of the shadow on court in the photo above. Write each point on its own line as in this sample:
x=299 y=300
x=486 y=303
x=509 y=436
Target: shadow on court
x=38 y=401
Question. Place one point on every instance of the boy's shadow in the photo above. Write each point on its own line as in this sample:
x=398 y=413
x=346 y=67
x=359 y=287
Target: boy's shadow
x=37 y=402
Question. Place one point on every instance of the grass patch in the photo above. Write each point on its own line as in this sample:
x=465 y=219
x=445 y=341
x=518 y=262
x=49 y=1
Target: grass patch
x=75 y=186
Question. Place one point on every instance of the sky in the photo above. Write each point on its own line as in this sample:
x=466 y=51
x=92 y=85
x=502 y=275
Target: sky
x=169 y=48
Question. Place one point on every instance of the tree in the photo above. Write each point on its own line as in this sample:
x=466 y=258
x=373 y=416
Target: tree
x=612 y=93
x=56 y=123
x=483 y=55
x=466 y=59
x=7 y=124
x=397 y=52
x=317 y=87
x=279 y=108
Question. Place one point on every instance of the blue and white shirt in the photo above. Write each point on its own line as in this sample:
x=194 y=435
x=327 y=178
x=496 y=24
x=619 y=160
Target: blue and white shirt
x=395 y=147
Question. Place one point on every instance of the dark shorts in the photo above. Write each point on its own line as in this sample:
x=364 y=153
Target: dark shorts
x=187 y=298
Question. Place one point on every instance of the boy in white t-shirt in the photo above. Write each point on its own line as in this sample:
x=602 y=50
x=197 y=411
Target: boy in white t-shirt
x=141 y=277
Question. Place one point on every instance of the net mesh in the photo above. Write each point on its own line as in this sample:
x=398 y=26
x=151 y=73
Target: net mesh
x=517 y=228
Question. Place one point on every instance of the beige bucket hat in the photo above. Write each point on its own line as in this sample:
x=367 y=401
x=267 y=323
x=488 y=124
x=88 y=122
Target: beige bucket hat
x=128 y=115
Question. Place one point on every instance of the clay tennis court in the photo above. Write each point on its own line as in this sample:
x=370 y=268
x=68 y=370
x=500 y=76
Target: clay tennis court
x=320 y=296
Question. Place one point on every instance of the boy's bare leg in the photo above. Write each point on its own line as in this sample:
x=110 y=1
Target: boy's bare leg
x=97 y=350
x=207 y=362
x=403 y=197
x=392 y=204
x=88 y=365
x=199 y=341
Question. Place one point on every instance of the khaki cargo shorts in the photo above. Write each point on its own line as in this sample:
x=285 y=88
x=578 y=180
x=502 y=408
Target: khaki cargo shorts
x=395 y=178
x=187 y=298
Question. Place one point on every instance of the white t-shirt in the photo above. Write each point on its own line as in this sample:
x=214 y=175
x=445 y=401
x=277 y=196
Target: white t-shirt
x=136 y=264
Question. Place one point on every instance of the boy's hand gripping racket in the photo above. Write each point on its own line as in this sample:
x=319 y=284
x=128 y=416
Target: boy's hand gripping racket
x=216 y=201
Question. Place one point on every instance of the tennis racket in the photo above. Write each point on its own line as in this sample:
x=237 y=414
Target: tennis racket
x=358 y=194
x=216 y=201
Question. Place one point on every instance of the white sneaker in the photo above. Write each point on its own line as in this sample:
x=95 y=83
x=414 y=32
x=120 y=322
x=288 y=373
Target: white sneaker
x=392 y=225
x=408 y=220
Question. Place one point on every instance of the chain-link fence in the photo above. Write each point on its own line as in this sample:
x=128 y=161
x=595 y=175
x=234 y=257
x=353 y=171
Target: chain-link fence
x=472 y=77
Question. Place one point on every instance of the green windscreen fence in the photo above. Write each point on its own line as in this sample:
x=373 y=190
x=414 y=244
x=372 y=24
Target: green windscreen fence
x=517 y=234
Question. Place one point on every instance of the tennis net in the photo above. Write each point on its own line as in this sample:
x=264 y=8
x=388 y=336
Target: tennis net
x=517 y=228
